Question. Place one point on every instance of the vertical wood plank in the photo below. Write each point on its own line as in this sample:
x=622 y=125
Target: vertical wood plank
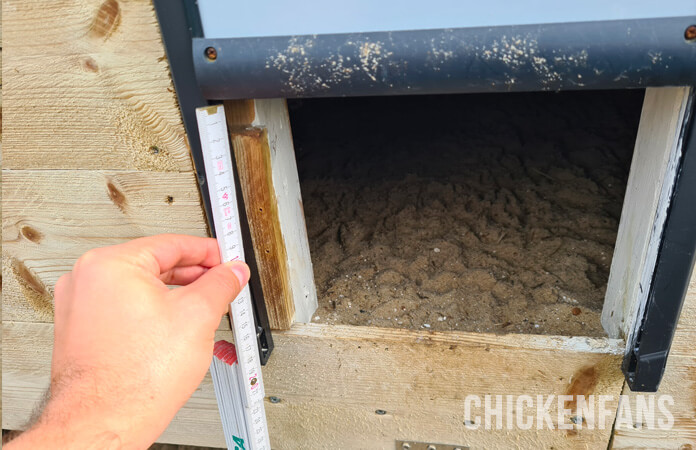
x=252 y=154
x=264 y=125
x=679 y=382
x=272 y=114
x=645 y=205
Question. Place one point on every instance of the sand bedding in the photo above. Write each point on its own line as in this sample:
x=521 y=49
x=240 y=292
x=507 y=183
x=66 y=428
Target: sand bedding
x=492 y=213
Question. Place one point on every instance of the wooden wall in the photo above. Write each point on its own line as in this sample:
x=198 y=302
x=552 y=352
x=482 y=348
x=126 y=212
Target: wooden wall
x=95 y=153
x=679 y=382
x=331 y=380
x=94 y=147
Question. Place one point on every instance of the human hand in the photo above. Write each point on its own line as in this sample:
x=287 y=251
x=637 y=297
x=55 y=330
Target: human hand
x=128 y=351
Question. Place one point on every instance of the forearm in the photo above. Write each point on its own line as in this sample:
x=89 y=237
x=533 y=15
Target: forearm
x=50 y=436
x=51 y=432
x=66 y=423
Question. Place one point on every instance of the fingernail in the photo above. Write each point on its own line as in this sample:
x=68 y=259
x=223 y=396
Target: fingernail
x=240 y=270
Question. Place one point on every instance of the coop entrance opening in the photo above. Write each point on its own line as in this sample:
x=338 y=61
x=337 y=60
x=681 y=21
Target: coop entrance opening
x=484 y=213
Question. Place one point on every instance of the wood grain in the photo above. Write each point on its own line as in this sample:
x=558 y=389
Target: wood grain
x=679 y=382
x=253 y=159
x=240 y=113
x=331 y=379
x=650 y=182
x=284 y=223
x=50 y=218
x=272 y=114
x=91 y=94
x=87 y=86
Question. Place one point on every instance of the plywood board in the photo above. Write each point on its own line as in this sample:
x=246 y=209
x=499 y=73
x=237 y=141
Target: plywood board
x=330 y=380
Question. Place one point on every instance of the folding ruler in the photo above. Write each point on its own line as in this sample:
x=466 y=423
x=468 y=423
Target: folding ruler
x=236 y=369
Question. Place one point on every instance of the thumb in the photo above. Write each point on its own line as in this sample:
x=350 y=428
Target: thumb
x=219 y=286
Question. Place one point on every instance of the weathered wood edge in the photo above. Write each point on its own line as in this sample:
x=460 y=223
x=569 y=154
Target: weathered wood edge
x=330 y=380
x=245 y=116
x=252 y=155
x=650 y=182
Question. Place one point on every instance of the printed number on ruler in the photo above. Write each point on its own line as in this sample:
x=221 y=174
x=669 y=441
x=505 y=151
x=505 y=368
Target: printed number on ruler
x=223 y=198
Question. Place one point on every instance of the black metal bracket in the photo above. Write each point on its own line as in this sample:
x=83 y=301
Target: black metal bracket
x=644 y=364
x=179 y=24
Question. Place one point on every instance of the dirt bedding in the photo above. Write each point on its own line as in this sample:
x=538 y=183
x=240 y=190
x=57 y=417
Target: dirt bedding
x=487 y=213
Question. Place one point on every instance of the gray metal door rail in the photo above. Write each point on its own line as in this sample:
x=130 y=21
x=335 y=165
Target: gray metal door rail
x=601 y=54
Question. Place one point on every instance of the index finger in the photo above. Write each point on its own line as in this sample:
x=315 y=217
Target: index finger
x=164 y=252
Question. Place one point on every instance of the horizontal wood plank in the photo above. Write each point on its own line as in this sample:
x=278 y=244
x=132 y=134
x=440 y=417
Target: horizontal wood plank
x=51 y=217
x=331 y=379
x=87 y=86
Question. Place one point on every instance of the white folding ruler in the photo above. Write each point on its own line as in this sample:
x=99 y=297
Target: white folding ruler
x=243 y=421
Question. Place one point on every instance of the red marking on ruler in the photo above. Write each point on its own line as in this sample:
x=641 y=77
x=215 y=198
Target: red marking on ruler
x=225 y=352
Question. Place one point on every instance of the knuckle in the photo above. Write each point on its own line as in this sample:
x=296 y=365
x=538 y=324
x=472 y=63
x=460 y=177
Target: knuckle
x=95 y=259
x=61 y=294
x=62 y=282
x=89 y=258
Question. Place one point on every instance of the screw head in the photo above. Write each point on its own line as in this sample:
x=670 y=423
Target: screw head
x=405 y=446
x=431 y=447
x=690 y=33
x=211 y=53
